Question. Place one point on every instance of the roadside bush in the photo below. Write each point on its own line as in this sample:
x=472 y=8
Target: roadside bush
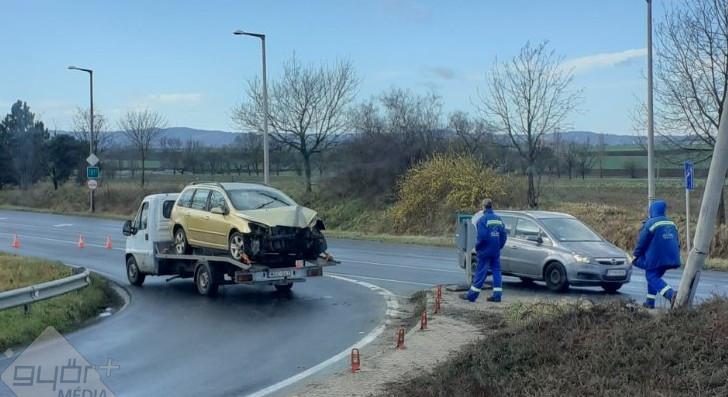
x=433 y=190
x=605 y=349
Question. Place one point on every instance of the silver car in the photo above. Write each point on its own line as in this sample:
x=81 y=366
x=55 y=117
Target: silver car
x=559 y=249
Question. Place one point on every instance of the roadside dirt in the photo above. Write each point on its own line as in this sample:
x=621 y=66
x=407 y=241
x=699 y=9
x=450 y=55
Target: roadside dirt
x=458 y=324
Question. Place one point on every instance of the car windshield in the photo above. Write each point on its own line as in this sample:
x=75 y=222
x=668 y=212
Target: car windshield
x=250 y=199
x=569 y=230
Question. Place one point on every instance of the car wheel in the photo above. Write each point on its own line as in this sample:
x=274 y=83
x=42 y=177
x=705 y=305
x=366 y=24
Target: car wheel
x=236 y=246
x=206 y=280
x=555 y=276
x=181 y=247
x=284 y=287
x=611 y=288
x=135 y=276
x=526 y=280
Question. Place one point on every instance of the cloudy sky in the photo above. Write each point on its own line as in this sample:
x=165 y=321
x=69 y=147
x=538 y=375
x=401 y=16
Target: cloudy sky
x=181 y=59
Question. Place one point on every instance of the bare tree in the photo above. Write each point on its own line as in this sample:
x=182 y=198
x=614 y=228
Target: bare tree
x=307 y=107
x=691 y=75
x=586 y=157
x=526 y=98
x=571 y=157
x=142 y=128
x=101 y=139
x=191 y=157
x=473 y=133
x=631 y=167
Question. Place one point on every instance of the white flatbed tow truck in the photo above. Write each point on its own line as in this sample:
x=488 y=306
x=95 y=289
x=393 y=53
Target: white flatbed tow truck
x=149 y=252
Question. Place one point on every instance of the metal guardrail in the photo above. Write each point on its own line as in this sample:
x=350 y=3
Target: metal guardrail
x=38 y=292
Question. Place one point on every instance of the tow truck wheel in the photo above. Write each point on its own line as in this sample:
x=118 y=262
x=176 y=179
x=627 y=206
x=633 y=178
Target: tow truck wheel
x=181 y=247
x=206 y=280
x=284 y=287
x=132 y=272
x=236 y=246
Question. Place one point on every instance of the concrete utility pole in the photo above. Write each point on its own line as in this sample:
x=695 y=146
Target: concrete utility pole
x=266 y=173
x=91 y=194
x=650 y=113
x=707 y=219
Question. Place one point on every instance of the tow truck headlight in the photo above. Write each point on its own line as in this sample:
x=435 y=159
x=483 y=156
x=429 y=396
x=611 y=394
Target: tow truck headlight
x=581 y=258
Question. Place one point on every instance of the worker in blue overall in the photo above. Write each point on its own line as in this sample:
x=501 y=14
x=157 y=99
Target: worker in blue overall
x=657 y=251
x=492 y=237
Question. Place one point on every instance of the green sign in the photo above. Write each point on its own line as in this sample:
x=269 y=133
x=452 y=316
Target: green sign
x=92 y=172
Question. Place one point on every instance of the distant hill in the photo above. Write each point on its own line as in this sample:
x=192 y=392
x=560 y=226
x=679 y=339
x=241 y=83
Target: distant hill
x=595 y=138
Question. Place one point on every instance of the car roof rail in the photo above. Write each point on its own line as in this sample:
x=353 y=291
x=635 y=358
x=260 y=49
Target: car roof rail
x=218 y=184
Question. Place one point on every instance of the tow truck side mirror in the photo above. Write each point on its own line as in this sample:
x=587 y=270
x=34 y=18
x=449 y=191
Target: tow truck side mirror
x=128 y=229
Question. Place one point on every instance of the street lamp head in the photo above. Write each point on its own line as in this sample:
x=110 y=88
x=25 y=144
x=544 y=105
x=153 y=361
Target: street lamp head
x=244 y=33
x=81 y=69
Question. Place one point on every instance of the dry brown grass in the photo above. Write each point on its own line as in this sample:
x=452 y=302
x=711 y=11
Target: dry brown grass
x=605 y=349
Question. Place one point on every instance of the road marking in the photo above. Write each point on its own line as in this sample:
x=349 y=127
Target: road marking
x=63 y=225
x=392 y=304
x=401 y=266
x=380 y=279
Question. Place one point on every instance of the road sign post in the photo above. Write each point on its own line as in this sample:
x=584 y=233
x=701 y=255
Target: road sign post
x=689 y=185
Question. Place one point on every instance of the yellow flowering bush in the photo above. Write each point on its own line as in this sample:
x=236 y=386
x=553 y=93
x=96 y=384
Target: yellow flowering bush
x=432 y=191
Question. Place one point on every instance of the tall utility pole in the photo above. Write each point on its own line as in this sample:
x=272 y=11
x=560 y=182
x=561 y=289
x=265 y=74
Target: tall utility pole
x=90 y=72
x=650 y=113
x=266 y=173
x=708 y=215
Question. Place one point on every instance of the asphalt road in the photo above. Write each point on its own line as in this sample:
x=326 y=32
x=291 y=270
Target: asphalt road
x=170 y=341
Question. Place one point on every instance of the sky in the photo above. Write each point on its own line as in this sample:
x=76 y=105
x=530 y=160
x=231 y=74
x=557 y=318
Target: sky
x=180 y=58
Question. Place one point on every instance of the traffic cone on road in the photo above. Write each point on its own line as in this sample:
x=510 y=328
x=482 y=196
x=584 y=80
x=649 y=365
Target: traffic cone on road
x=81 y=244
x=16 y=242
x=108 y=244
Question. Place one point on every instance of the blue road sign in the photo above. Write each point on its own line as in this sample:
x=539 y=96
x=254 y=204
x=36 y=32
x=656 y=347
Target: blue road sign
x=689 y=176
x=92 y=172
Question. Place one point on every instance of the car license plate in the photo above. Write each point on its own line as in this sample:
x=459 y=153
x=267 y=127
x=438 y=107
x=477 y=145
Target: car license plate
x=616 y=272
x=280 y=273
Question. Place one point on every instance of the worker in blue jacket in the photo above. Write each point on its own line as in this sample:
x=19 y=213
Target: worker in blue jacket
x=657 y=251
x=492 y=237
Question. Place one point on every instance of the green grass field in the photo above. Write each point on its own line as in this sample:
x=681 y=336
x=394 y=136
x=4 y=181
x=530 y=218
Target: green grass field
x=65 y=313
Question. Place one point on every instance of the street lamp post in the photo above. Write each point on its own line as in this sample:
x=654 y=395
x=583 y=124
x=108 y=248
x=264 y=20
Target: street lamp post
x=266 y=174
x=91 y=125
x=650 y=112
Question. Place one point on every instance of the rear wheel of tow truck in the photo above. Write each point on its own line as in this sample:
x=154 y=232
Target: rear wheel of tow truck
x=236 y=245
x=135 y=276
x=284 y=287
x=206 y=280
x=181 y=246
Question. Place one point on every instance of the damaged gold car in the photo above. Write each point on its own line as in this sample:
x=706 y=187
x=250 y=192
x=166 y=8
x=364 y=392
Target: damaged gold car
x=252 y=223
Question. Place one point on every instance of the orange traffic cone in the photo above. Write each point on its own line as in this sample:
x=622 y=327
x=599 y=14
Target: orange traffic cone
x=108 y=244
x=16 y=242
x=81 y=244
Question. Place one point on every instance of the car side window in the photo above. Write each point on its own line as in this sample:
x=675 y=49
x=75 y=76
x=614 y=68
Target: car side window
x=217 y=200
x=140 y=223
x=509 y=221
x=185 y=198
x=199 y=200
x=526 y=228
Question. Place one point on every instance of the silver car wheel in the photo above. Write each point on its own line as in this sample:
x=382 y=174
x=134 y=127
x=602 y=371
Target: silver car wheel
x=180 y=243
x=236 y=246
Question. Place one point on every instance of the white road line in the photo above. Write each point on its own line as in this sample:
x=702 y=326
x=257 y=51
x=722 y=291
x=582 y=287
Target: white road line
x=389 y=280
x=401 y=266
x=392 y=305
x=63 y=225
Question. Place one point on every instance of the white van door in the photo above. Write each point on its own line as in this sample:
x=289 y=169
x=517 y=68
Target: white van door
x=140 y=244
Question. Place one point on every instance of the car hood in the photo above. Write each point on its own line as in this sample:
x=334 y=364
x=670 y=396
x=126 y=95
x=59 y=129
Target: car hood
x=291 y=216
x=595 y=249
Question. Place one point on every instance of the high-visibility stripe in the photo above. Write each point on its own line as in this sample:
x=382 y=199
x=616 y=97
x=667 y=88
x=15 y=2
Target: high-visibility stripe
x=474 y=289
x=664 y=290
x=661 y=223
x=494 y=222
x=496 y=289
x=651 y=296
